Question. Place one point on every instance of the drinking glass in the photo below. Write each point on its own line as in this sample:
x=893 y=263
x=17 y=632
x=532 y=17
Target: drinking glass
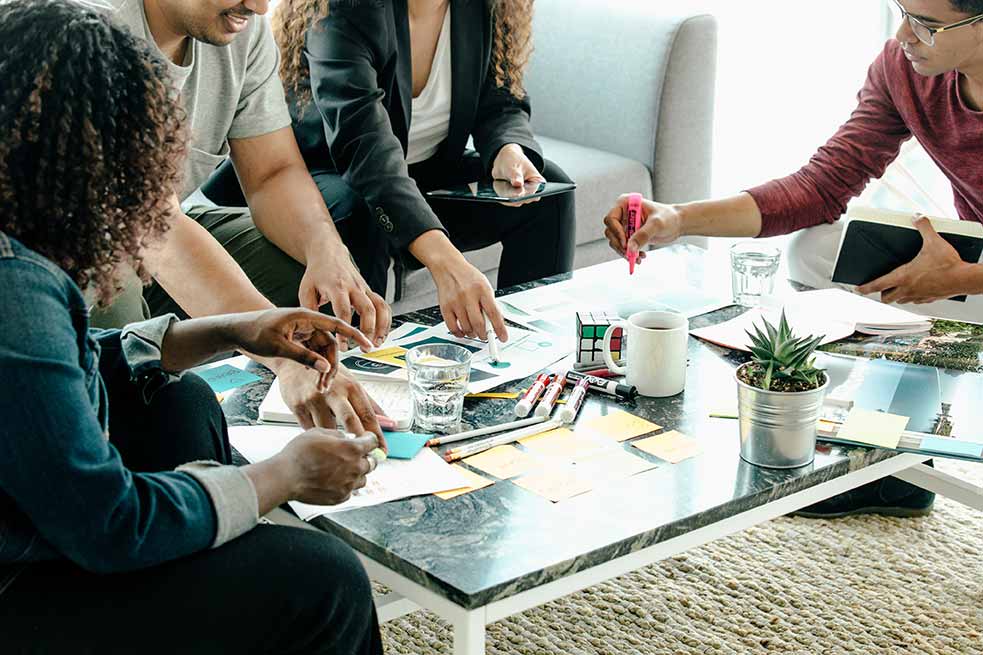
x=753 y=266
x=438 y=375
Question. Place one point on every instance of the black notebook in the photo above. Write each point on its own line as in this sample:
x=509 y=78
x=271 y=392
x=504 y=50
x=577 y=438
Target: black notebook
x=877 y=241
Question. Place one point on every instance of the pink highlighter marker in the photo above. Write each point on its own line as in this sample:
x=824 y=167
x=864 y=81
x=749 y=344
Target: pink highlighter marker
x=634 y=221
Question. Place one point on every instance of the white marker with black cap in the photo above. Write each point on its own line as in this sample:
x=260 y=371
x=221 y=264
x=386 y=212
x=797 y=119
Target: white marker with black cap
x=607 y=387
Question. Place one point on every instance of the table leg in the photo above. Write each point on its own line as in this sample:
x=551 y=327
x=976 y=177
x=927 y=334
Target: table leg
x=392 y=606
x=469 y=633
x=943 y=484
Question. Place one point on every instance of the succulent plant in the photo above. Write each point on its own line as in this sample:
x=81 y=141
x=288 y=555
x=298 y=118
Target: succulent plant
x=783 y=356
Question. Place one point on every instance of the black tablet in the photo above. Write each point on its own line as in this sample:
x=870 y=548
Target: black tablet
x=501 y=191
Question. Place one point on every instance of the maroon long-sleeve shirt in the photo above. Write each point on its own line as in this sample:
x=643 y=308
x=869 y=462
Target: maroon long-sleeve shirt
x=894 y=104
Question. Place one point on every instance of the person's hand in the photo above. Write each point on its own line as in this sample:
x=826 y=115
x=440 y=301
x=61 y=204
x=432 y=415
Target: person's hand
x=465 y=298
x=934 y=274
x=333 y=278
x=512 y=165
x=324 y=467
x=300 y=335
x=344 y=402
x=660 y=225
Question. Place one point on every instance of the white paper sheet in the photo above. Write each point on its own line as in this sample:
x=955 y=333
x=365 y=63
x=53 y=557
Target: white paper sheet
x=559 y=303
x=870 y=316
x=525 y=353
x=393 y=397
x=733 y=333
x=426 y=473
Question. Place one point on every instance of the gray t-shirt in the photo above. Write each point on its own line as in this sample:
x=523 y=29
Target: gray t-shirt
x=230 y=92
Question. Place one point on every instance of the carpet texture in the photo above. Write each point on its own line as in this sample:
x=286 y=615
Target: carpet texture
x=856 y=585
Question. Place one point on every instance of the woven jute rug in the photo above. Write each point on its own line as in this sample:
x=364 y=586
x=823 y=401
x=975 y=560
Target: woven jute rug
x=856 y=585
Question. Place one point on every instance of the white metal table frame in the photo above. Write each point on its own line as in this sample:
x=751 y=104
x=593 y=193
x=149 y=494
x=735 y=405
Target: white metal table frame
x=469 y=624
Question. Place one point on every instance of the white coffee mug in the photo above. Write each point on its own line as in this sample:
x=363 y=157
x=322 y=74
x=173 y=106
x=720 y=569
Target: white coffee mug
x=657 y=344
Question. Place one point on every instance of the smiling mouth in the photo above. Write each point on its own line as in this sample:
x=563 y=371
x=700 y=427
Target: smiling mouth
x=236 y=22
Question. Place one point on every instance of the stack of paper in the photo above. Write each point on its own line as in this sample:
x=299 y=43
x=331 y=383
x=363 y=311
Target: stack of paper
x=733 y=334
x=870 y=316
x=833 y=313
x=426 y=473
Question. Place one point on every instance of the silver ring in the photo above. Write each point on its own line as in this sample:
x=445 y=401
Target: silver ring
x=373 y=463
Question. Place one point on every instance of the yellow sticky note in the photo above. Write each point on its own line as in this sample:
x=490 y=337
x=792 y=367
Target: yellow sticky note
x=561 y=443
x=874 y=428
x=502 y=461
x=671 y=446
x=612 y=464
x=619 y=426
x=395 y=356
x=475 y=482
x=555 y=485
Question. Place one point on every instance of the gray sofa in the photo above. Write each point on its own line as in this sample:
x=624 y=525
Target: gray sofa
x=622 y=100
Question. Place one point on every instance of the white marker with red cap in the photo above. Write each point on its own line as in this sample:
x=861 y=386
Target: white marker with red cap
x=569 y=412
x=525 y=404
x=545 y=406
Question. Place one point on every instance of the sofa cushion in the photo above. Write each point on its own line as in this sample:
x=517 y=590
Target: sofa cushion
x=601 y=177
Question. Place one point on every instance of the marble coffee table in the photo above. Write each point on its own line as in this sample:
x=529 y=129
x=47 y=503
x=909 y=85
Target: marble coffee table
x=489 y=554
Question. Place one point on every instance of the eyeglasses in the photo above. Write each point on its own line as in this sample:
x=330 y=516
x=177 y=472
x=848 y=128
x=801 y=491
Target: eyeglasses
x=925 y=33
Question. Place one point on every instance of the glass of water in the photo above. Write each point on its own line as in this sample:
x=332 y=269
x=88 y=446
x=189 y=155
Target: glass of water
x=438 y=376
x=753 y=266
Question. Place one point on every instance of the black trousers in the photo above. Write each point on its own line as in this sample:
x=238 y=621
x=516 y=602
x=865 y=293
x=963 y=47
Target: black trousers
x=538 y=239
x=275 y=589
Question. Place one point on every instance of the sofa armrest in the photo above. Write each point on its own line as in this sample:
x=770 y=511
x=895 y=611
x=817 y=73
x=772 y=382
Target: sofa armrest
x=684 y=133
x=632 y=79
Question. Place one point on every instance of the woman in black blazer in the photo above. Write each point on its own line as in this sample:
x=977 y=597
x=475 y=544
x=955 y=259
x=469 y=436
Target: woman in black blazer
x=352 y=74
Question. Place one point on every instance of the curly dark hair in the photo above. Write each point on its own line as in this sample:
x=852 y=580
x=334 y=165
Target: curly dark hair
x=92 y=140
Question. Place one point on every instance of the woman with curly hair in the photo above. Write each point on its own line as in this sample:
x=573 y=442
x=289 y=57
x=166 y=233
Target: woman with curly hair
x=385 y=96
x=123 y=525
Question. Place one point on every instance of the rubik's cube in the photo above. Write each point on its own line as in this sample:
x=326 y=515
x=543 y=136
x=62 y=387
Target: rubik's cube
x=591 y=328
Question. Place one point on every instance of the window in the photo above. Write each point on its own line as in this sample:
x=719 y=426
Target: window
x=788 y=74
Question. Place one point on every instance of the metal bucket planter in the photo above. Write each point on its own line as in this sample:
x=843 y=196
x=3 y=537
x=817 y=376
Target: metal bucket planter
x=778 y=429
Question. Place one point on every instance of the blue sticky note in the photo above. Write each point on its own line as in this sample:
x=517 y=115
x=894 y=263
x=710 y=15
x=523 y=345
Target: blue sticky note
x=225 y=377
x=952 y=447
x=405 y=445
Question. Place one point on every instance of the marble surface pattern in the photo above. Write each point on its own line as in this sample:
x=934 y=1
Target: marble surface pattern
x=493 y=543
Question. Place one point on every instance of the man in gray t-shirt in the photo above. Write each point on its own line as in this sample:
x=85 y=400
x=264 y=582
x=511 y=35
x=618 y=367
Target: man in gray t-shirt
x=229 y=85
x=224 y=62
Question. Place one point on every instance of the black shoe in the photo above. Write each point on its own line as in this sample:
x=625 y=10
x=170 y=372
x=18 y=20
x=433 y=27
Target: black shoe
x=888 y=497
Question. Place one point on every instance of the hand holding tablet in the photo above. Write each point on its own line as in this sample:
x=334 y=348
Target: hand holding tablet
x=501 y=191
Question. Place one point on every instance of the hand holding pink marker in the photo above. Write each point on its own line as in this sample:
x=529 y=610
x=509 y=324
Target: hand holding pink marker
x=631 y=226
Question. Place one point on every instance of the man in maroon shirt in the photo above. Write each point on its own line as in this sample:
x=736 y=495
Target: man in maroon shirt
x=928 y=83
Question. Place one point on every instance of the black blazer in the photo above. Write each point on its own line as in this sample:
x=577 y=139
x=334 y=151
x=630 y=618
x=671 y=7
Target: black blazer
x=361 y=76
